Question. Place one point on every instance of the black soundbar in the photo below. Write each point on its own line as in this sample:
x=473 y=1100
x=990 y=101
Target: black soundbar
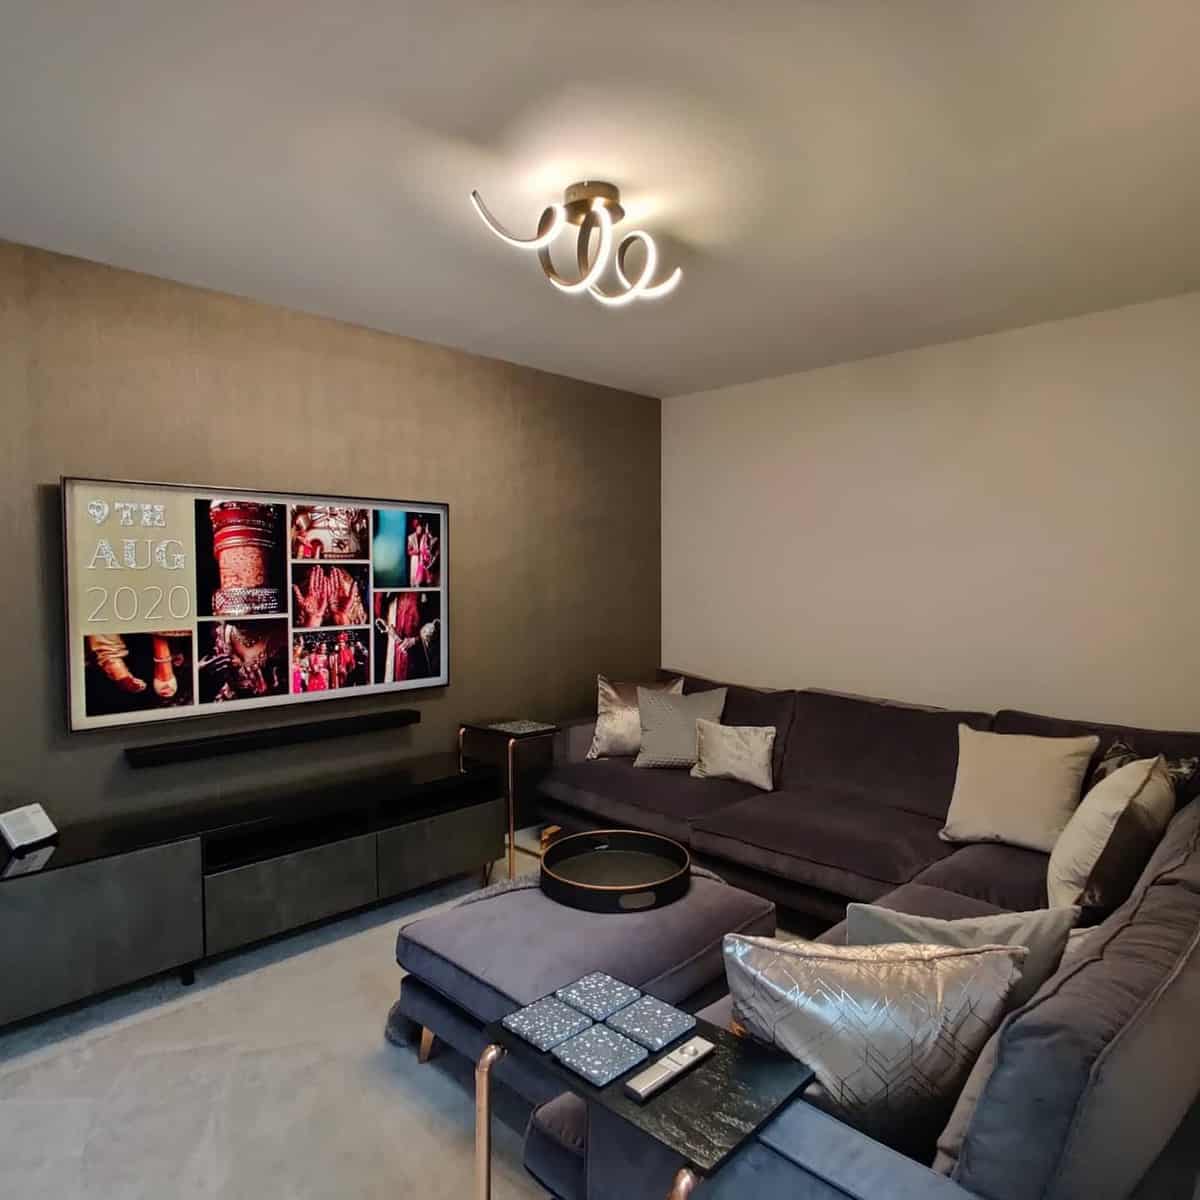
x=162 y=753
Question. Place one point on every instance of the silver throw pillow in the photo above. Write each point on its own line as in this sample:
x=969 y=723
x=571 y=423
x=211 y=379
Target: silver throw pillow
x=735 y=752
x=618 y=725
x=669 y=725
x=891 y=1031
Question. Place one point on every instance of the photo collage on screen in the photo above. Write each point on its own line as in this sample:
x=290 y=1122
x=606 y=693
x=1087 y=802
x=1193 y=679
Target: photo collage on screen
x=290 y=600
x=406 y=603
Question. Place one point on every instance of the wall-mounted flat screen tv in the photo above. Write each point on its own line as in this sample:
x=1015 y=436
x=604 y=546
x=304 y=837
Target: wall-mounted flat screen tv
x=195 y=601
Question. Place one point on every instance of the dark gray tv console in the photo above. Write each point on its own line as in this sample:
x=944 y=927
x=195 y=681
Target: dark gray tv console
x=132 y=897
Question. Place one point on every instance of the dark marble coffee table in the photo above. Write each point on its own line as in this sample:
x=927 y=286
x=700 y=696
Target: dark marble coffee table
x=704 y=1117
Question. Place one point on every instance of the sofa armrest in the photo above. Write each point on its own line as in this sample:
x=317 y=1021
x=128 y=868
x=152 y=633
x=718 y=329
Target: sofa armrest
x=573 y=740
x=803 y=1154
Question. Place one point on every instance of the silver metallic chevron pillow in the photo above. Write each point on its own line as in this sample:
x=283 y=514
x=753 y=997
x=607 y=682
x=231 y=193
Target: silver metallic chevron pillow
x=892 y=1032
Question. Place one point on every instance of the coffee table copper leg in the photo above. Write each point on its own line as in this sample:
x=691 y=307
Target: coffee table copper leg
x=685 y=1182
x=483 y=1120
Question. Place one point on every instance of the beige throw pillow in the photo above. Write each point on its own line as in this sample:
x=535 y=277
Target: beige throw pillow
x=618 y=723
x=735 y=752
x=891 y=1032
x=1015 y=788
x=1111 y=836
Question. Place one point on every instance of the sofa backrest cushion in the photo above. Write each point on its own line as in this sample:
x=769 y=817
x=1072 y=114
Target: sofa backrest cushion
x=900 y=755
x=1080 y=1090
x=751 y=706
x=1146 y=743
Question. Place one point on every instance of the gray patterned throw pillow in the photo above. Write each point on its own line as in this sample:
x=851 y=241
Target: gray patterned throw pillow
x=618 y=726
x=669 y=725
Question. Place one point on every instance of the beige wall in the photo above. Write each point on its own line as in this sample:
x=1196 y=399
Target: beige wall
x=553 y=488
x=1012 y=520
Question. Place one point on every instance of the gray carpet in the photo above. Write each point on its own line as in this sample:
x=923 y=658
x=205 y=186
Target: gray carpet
x=269 y=1079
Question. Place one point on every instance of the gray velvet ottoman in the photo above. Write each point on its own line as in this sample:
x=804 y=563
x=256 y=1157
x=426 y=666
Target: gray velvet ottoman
x=508 y=946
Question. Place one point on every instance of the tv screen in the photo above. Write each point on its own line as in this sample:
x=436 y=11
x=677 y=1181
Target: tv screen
x=193 y=601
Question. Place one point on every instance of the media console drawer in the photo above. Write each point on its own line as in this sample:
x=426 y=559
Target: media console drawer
x=245 y=904
x=437 y=847
x=84 y=929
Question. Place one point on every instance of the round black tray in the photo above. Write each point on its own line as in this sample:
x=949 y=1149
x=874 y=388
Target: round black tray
x=615 y=870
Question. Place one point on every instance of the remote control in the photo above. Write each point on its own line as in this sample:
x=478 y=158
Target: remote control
x=668 y=1068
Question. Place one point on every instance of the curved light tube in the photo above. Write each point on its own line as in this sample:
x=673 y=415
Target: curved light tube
x=588 y=275
x=546 y=234
x=667 y=286
x=638 y=286
x=591 y=270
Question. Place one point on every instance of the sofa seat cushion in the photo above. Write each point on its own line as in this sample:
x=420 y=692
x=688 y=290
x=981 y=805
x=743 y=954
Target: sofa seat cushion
x=617 y=794
x=492 y=954
x=896 y=755
x=1005 y=876
x=555 y=1151
x=842 y=844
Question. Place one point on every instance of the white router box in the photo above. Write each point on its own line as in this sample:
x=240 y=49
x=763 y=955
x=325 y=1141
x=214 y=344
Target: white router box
x=23 y=828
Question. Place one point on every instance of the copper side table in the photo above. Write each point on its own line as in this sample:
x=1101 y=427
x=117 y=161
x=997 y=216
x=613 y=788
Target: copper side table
x=705 y=1117
x=522 y=748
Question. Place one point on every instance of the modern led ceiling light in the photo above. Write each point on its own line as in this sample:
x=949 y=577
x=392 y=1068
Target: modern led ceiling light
x=594 y=207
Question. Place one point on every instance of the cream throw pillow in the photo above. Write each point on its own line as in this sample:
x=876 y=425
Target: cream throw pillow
x=735 y=752
x=1111 y=837
x=1015 y=788
x=618 y=723
x=891 y=1032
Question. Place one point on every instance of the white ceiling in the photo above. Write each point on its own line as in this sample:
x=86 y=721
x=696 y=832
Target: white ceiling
x=838 y=178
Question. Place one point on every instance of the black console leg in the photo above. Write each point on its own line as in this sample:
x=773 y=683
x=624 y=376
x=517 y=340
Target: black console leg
x=187 y=975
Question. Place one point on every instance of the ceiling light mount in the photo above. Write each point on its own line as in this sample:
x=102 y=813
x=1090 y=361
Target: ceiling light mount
x=594 y=206
x=581 y=198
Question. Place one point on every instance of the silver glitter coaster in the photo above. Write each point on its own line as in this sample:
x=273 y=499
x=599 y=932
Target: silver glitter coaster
x=546 y=1022
x=598 y=995
x=599 y=1055
x=651 y=1023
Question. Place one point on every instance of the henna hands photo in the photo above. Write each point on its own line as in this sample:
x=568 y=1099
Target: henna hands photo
x=311 y=604
x=345 y=599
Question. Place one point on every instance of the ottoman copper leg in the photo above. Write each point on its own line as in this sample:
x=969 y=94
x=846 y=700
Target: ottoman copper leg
x=685 y=1183
x=428 y=1041
x=483 y=1120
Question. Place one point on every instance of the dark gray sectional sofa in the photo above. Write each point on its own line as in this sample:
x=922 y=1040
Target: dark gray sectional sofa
x=862 y=788
x=1087 y=1091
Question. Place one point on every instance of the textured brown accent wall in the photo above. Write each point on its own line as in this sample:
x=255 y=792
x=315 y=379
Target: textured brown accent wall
x=553 y=488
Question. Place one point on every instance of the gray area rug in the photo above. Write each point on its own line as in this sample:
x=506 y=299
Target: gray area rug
x=269 y=1079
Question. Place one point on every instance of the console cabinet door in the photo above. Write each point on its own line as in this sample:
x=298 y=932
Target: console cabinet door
x=70 y=933
x=246 y=904
x=438 y=847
